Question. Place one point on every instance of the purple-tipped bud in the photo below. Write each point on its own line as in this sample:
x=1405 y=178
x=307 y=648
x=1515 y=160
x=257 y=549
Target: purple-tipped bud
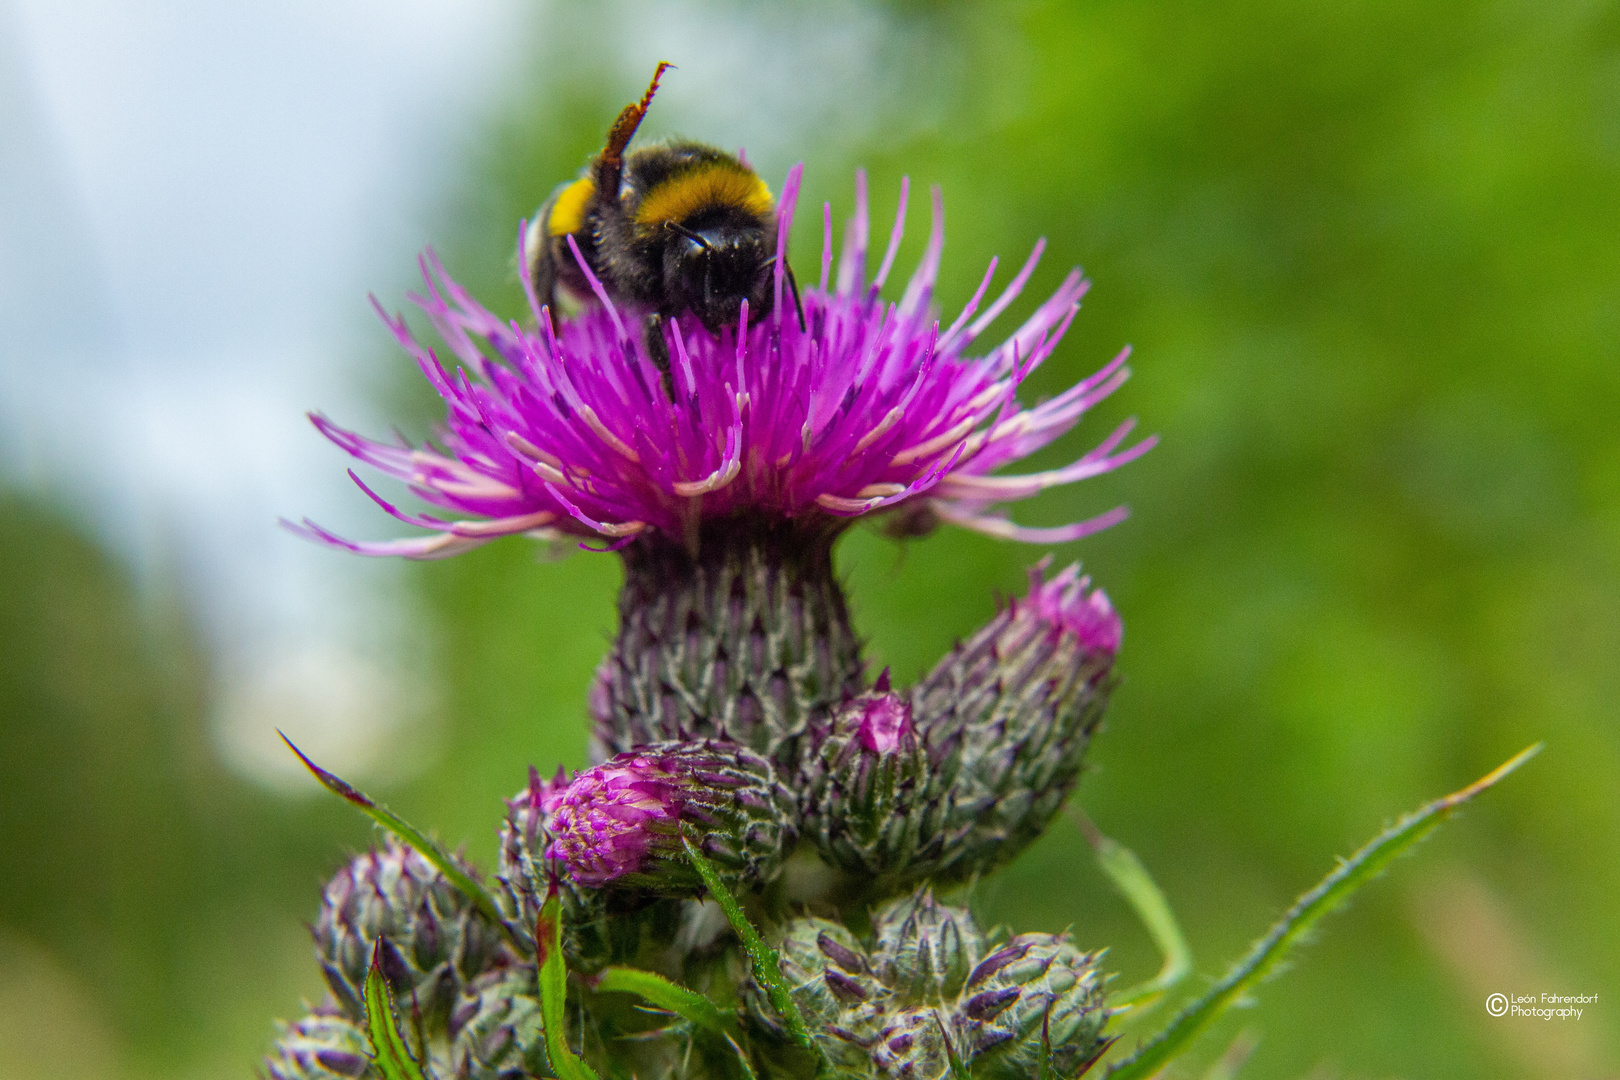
x=865 y=810
x=1006 y=719
x=619 y=824
x=433 y=940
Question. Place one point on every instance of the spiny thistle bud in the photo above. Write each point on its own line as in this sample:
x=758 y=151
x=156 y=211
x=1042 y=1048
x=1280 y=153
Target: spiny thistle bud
x=433 y=940
x=1034 y=981
x=831 y=981
x=865 y=809
x=924 y=949
x=495 y=1031
x=325 y=1045
x=619 y=824
x=929 y=976
x=1006 y=719
x=525 y=836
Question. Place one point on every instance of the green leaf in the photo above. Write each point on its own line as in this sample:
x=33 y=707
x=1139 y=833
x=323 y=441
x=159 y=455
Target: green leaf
x=767 y=965
x=1333 y=891
x=429 y=848
x=554 y=992
x=1136 y=885
x=390 y=1053
x=687 y=1004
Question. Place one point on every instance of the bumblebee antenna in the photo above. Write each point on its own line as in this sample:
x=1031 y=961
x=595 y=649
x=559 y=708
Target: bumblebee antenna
x=610 y=167
x=696 y=238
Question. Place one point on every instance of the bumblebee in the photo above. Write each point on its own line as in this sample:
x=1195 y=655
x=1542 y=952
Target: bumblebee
x=672 y=228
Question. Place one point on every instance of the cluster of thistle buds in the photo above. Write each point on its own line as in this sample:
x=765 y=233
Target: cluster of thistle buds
x=764 y=871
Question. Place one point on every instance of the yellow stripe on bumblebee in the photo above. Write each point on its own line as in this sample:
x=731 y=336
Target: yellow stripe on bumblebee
x=569 y=207
x=710 y=185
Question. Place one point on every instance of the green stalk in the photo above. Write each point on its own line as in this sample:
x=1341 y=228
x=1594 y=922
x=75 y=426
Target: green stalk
x=1333 y=891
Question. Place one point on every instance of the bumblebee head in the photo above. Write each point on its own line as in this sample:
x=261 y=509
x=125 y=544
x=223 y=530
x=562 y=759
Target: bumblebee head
x=711 y=271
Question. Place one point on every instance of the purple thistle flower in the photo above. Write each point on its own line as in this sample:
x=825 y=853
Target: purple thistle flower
x=620 y=823
x=867 y=407
x=1068 y=603
x=885 y=720
x=606 y=821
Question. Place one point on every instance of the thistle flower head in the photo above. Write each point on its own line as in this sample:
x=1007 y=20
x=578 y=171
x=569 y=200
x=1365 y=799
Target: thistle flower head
x=865 y=406
x=621 y=823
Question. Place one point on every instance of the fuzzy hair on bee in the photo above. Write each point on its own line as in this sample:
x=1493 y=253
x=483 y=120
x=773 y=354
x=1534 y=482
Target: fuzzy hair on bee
x=674 y=228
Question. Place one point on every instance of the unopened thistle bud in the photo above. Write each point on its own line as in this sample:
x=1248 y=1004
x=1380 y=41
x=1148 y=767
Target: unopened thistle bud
x=325 y=1045
x=432 y=939
x=832 y=982
x=865 y=806
x=525 y=836
x=496 y=1031
x=925 y=949
x=1006 y=719
x=620 y=824
x=930 y=976
x=1036 y=986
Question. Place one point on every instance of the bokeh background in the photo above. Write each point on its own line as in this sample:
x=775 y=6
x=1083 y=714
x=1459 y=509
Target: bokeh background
x=1366 y=255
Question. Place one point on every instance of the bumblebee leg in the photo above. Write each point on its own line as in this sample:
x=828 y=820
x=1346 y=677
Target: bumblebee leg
x=793 y=285
x=658 y=352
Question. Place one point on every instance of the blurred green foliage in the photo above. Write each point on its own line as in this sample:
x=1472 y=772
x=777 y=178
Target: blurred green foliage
x=1365 y=255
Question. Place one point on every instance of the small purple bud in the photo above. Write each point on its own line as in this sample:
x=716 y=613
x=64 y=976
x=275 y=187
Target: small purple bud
x=901 y=1043
x=621 y=822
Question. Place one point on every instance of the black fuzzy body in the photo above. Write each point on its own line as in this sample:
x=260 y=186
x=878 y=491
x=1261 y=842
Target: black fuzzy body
x=706 y=263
